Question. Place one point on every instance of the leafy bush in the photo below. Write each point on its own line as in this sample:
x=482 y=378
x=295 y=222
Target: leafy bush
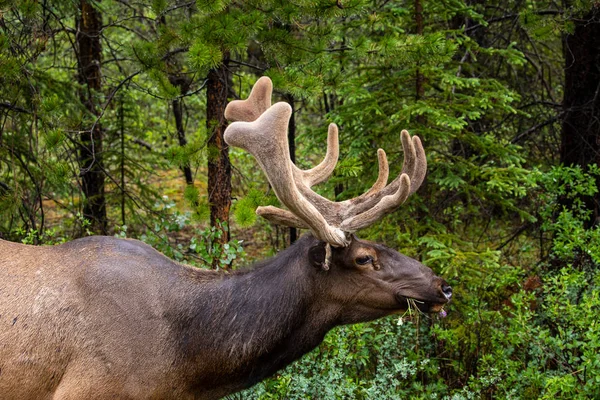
x=380 y=360
x=511 y=333
x=199 y=248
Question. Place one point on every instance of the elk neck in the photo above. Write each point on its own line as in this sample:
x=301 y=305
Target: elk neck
x=266 y=317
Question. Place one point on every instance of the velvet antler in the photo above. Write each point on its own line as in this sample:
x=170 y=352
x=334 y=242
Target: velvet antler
x=261 y=129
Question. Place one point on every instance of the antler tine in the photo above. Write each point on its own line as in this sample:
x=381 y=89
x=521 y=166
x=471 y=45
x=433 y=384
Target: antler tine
x=280 y=217
x=257 y=103
x=386 y=205
x=415 y=166
x=365 y=209
x=382 y=177
x=421 y=165
x=323 y=171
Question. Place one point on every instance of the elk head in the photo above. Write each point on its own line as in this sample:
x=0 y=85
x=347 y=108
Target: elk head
x=365 y=281
x=377 y=280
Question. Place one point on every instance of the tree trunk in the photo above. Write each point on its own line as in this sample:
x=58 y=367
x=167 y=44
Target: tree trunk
x=90 y=150
x=580 y=138
x=178 y=114
x=219 y=167
x=122 y=164
x=180 y=80
x=292 y=146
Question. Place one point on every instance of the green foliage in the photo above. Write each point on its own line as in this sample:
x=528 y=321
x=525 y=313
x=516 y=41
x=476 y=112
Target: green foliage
x=383 y=359
x=159 y=6
x=212 y=6
x=208 y=247
x=244 y=209
x=180 y=156
x=203 y=56
x=546 y=341
x=54 y=138
x=191 y=194
x=146 y=53
x=165 y=88
x=199 y=248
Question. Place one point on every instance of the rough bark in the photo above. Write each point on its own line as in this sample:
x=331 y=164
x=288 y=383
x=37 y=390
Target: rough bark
x=293 y=232
x=580 y=138
x=89 y=75
x=219 y=166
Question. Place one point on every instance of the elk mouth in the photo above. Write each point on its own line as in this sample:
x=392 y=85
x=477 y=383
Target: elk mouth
x=430 y=303
x=423 y=306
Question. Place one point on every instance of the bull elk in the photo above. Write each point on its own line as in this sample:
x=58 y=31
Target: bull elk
x=108 y=318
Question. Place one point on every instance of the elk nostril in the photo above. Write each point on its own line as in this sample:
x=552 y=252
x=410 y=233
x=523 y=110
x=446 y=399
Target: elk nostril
x=447 y=290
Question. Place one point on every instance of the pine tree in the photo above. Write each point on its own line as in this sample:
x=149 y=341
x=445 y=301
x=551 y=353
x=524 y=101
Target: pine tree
x=89 y=75
x=219 y=166
x=580 y=138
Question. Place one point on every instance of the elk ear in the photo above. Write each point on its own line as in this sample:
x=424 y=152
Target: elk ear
x=317 y=255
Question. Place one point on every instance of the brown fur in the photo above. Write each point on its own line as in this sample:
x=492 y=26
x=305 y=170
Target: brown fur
x=106 y=318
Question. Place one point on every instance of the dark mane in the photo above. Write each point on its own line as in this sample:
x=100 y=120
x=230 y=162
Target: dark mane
x=285 y=255
x=245 y=303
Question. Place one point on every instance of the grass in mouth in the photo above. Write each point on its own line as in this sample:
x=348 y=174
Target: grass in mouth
x=414 y=313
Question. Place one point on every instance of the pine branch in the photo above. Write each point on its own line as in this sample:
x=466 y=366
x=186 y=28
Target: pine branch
x=513 y=16
x=534 y=128
x=12 y=107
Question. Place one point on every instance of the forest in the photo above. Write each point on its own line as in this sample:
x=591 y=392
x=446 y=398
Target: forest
x=111 y=123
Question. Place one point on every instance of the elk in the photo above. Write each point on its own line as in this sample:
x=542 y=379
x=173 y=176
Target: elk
x=108 y=318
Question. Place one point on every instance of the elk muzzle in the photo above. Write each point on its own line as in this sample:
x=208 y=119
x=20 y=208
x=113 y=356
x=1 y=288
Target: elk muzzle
x=428 y=297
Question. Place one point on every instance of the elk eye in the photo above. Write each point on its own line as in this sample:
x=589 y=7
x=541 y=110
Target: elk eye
x=363 y=260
